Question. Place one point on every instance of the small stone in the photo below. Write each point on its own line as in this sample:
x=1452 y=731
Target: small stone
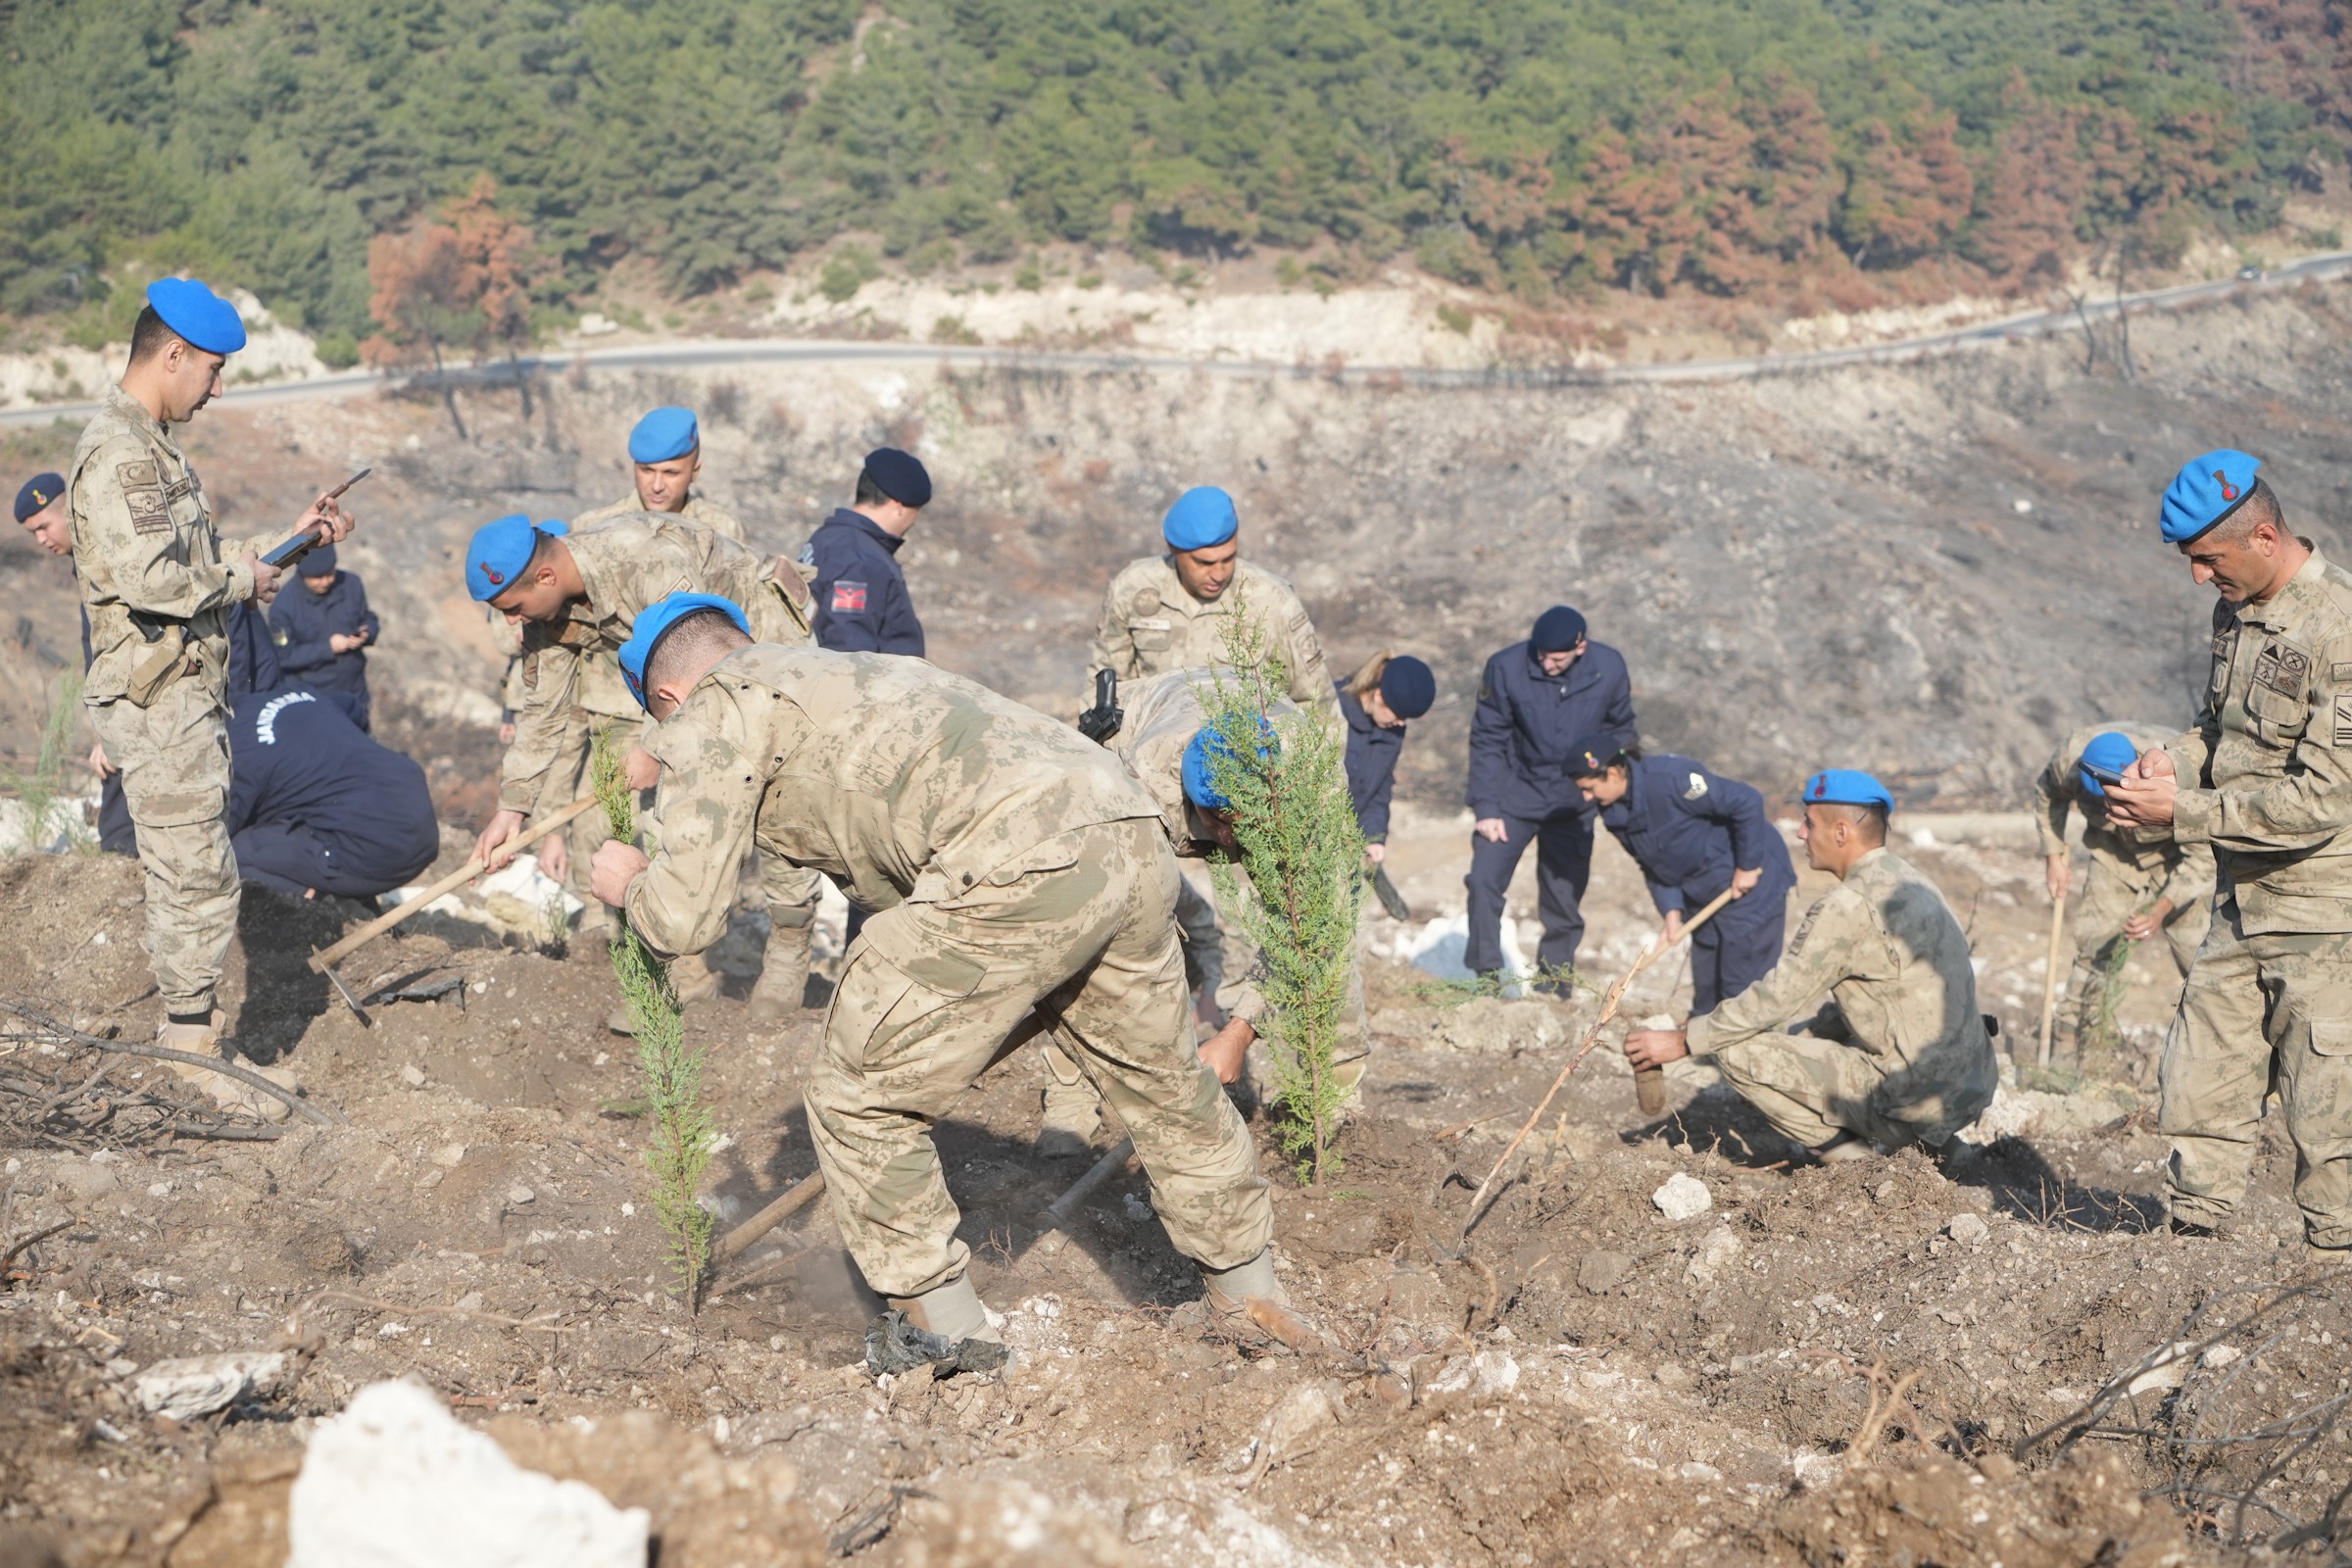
x=1969 y=1229
x=1715 y=1255
x=470 y=1301
x=121 y=1367
x=412 y=1075
x=448 y=1155
x=1684 y=1197
x=159 y=1190
x=196 y=1385
x=1672 y=1377
x=519 y=1193
x=1603 y=1272
x=1698 y=1470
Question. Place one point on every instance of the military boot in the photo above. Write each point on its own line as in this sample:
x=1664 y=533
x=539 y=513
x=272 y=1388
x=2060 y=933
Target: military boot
x=783 y=975
x=952 y=1311
x=1249 y=1303
x=203 y=1040
x=1073 y=1111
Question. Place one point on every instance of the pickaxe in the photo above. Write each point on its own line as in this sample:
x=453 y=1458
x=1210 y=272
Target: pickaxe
x=324 y=960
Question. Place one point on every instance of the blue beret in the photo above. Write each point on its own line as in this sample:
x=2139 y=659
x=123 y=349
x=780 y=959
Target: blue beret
x=1202 y=518
x=197 y=314
x=647 y=631
x=899 y=475
x=497 y=555
x=556 y=526
x=1407 y=686
x=1207 y=748
x=1558 y=630
x=317 y=562
x=1594 y=753
x=38 y=492
x=663 y=434
x=1844 y=786
x=2204 y=493
x=2112 y=751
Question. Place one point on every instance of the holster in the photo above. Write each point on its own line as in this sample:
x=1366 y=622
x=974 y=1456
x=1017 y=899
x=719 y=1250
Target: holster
x=168 y=659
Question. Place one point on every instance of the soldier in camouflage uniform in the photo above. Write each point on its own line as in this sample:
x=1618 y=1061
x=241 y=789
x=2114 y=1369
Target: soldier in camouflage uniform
x=666 y=450
x=1170 y=613
x=578 y=594
x=2265 y=780
x=1899 y=1056
x=156 y=585
x=1012 y=865
x=2142 y=885
x=1162 y=716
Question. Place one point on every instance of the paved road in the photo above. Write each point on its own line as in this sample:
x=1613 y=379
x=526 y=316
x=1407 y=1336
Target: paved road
x=716 y=352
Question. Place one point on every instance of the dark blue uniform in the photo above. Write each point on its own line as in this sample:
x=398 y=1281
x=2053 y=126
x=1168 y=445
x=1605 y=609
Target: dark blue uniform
x=1371 y=765
x=861 y=601
x=1689 y=829
x=313 y=803
x=301 y=622
x=252 y=668
x=1520 y=739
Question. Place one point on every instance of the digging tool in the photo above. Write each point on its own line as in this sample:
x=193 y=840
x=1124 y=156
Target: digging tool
x=2049 y=985
x=743 y=1237
x=324 y=960
x=1608 y=1010
x=1390 y=898
x=1058 y=1214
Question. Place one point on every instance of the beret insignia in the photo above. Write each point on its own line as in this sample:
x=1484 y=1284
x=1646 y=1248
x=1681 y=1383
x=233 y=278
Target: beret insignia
x=494 y=574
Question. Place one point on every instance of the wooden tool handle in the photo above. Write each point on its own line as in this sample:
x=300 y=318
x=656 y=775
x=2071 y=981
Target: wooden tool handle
x=326 y=957
x=2049 y=984
x=796 y=1198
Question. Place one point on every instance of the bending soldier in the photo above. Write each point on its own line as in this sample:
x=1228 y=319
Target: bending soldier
x=2265 y=780
x=2142 y=884
x=581 y=592
x=1012 y=865
x=1899 y=1054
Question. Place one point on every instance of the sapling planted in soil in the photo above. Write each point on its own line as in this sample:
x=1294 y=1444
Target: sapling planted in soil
x=679 y=1132
x=1296 y=835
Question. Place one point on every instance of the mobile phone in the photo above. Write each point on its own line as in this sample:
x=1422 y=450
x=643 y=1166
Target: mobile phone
x=303 y=543
x=2105 y=775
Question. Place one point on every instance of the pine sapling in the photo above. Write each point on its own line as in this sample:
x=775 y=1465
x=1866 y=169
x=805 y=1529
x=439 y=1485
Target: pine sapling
x=1297 y=838
x=680 y=1133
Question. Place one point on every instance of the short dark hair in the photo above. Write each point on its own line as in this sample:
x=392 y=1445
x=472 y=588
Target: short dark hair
x=1869 y=820
x=149 y=336
x=543 y=544
x=692 y=636
x=2261 y=505
x=868 y=492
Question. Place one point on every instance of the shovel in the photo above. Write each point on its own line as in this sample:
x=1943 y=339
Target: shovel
x=324 y=961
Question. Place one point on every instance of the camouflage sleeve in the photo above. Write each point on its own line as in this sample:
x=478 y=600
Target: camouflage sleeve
x=2051 y=804
x=702 y=818
x=1113 y=650
x=1820 y=953
x=1311 y=687
x=550 y=740
x=123 y=521
x=2313 y=801
x=2192 y=878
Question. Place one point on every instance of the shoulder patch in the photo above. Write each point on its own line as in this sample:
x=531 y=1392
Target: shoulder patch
x=2340 y=673
x=849 y=599
x=133 y=474
x=143 y=494
x=2283 y=668
x=807 y=555
x=1146 y=601
x=2343 y=721
x=1698 y=787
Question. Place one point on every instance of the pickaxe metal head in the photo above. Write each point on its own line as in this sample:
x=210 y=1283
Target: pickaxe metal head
x=342 y=990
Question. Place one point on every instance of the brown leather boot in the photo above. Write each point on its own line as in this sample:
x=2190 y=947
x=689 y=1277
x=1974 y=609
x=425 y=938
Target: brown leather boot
x=203 y=1040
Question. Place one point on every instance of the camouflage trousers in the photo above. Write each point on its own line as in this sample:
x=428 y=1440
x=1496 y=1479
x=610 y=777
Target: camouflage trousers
x=2113 y=893
x=173 y=755
x=1080 y=930
x=1224 y=963
x=1811 y=1088
x=2262 y=1014
x=791 y=891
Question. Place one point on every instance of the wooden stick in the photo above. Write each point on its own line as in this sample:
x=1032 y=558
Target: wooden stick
x=796 y=1198
x=326 y=957
x=2049 y=984
x=1608 y=1010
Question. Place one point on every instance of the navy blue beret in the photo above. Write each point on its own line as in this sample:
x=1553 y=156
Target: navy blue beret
x=899 y=475
x=1558 y=630
x=38 y=492
x=1407 y=686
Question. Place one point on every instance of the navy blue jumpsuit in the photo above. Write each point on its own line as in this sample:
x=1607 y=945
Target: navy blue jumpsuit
x=1371 y=764
x=313 y=803
x=1522 y=737
x=1689 y=829
x=861 y=601
x=301 y=623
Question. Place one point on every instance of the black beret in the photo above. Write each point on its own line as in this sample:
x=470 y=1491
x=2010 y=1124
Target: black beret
x=899 y=475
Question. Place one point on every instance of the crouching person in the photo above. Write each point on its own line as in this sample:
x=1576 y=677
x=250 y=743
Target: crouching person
x=1012 y=867
x=1899 y=1054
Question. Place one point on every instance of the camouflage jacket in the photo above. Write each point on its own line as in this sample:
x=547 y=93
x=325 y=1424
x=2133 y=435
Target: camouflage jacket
x=1894 y=962
x=1150 y=626
x=152 y=571
x=2181 y=873
x=901 y=782
x=718 y=518
x=572 y=684
x=2266 y=776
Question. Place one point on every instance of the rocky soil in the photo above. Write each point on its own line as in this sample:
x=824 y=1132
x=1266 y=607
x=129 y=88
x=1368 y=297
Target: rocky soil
x=1872 y=1362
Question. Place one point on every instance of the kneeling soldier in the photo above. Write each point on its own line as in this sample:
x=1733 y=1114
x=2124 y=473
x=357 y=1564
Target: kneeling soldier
x=1900 y=1054
x=1014 y=866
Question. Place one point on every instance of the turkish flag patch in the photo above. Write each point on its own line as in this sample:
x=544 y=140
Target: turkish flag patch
x=847 y=598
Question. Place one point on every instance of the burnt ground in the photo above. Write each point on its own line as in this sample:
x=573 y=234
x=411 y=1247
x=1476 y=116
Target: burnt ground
x=1584 y=1380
